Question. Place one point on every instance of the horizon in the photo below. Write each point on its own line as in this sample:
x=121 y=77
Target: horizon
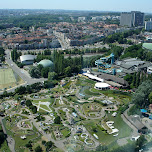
x=98 y=11
x=90 y=5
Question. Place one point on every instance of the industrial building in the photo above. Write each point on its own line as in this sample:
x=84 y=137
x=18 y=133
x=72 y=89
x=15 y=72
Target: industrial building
x=131 y=65
x=27 y=59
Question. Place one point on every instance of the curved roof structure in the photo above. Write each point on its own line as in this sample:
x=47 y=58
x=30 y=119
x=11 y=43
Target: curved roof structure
x=27 y=58
x=46 y=63
x=93 y=77
x=102 y=85
x=147 y=46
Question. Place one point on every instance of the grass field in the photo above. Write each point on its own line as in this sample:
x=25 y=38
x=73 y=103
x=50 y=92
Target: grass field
x=8 y=79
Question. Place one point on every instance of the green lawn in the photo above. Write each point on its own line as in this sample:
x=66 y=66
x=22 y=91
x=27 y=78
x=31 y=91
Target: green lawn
x=44 y=107
x=65 y=131
x=4 y=147
x=16 y=133
x=91 y=107
x=88 y=92
x=84 y=82
x=104 y=138
x=56 y=104
x=120 y=96
x=67 y=85
x=8 y=79
x=89 y=81
x=62 y=114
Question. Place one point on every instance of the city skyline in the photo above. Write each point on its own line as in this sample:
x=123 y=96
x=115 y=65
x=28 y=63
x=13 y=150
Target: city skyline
x=96 y=5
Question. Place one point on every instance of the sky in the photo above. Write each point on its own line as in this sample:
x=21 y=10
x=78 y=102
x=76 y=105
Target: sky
x=99 y=5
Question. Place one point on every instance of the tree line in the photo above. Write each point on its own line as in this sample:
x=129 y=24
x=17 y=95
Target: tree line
x=2 y=54
x=15 y=55
x=142 y=97
x=2 y=136
x=121 y=37
x=137 y=78
x=62 y=66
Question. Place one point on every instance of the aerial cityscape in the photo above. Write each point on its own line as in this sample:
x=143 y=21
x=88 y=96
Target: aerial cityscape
x=75 y=78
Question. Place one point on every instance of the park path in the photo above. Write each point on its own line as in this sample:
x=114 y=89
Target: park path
x=10 y=140
x=135 y=133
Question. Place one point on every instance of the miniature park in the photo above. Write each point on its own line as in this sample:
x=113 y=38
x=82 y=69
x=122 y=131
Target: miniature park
x=80 y=113
x=88 y=116
x=92 y=109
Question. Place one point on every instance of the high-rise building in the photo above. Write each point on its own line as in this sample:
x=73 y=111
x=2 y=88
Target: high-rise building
x=126 y=19
x=148 y=25
x=138 y=18
x=130 y=19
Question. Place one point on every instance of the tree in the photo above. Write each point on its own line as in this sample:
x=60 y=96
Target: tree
x=101 y=148
x=137 y=79
x=2 y=137
x=150 y=98
x=28 y=145
x=128 y=78
x=49 y=144
x=28 y=103
x=34 y=109
x=44 y=72
x=67 y=71
x=34 y=72
x=57 y=120
x=38 y=149
x=134 y=79
x=140 y=142
x=94 y=129
x=20 y=90
x=14 y=55
x=140 y=97
x=43 y=142
x=26 y=41
x=52 y=75
x=5 y=93
x=29 y=89
x=40 y=67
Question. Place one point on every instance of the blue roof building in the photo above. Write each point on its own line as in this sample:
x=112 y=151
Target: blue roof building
x=143 y=110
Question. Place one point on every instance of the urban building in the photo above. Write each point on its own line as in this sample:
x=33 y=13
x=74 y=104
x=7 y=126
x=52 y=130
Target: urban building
x=132 y=19
x=148 y=25
x=27 y=59
x=126 y=19
x=149 y=70
x=81 y=19
x=138 y=18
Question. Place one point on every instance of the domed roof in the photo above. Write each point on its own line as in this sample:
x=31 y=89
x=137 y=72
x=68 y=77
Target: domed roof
x=101 y=85
x=46 y=63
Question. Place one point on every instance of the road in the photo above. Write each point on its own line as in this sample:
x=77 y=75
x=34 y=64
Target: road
x=26 y=78
x=84 y=55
